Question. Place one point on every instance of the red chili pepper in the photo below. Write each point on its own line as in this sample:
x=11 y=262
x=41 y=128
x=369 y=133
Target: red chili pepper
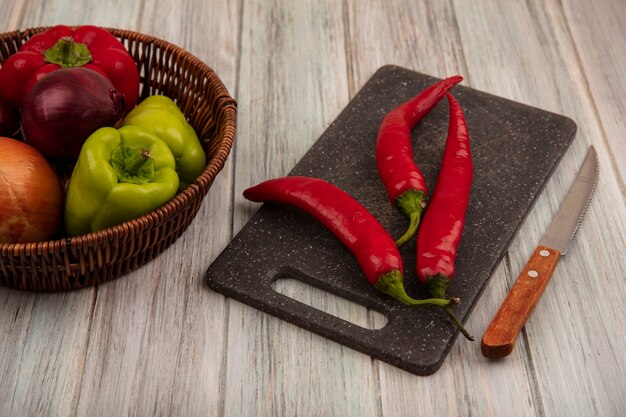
x=442 y=226
x=62 y=47
x=375 y=251
x=400 y=175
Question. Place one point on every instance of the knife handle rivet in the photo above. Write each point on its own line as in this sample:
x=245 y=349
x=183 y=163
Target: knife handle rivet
x=544 y=253
x=533 y=274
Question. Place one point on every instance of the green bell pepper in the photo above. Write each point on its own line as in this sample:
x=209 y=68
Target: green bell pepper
x=160 y=115
x=120 y=175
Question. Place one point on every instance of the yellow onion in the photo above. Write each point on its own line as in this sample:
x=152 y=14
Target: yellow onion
x=31 y=197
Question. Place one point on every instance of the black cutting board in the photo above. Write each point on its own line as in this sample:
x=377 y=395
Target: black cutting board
x=515 y=149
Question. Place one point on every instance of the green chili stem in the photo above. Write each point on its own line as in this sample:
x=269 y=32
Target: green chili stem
x=457 y=323
x=391 y=284
x=436 y=286
x=414 y=218
x=411 y=204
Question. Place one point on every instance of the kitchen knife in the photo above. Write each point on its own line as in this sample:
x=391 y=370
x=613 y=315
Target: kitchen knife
x=499 y=339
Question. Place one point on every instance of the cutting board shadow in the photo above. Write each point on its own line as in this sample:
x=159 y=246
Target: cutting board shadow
x=515 y=150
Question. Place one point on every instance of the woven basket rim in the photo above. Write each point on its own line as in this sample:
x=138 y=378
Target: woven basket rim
x=195 y=190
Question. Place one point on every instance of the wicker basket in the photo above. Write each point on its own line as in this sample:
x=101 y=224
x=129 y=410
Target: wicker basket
x=91 y=259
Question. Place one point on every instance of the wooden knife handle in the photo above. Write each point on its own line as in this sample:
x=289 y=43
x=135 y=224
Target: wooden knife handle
x=499 y=339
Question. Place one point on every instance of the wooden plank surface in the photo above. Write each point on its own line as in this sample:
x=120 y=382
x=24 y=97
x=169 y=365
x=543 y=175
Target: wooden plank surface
x=437 y=49
x=287 y=96
x=159 y=342
x=43 y=337
x=598 y=31
x=571 y=380
x=159 y=327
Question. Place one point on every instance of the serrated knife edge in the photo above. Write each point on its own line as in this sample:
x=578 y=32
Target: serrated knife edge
x=568 y=218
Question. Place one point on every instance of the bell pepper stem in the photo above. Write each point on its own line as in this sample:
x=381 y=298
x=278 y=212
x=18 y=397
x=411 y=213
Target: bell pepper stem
x=132 y=164
x=65 y=47
x=136 y=161
x=436 y=286
x=68 y=53
x=411 y=203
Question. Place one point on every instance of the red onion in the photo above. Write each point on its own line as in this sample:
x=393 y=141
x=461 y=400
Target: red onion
x=65 y=107
x=9 y=119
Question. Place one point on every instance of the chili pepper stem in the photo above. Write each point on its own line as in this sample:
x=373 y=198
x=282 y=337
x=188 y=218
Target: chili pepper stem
x=414 y=219
x=391 y=284
x=436 y=286
x=410 y=203
x=457 y=323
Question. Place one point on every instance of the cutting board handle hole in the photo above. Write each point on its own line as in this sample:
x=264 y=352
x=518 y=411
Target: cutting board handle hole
x=327 y=302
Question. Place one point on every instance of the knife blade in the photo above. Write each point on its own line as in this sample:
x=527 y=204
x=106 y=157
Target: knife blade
x=499 y=338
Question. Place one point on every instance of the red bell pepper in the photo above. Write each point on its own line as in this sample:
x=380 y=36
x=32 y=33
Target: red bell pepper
x=62 y=47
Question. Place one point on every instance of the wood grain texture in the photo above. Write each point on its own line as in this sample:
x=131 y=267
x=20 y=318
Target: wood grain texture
x=43 y=348
x=500 y=337
x=588 y=286
x=115 y=13
x=292 y=85
x=159 y=329
x=158 y=342
x=467 y=383
x=43 y=337
x=433 y=46
x=598 y=32
x=162 y=310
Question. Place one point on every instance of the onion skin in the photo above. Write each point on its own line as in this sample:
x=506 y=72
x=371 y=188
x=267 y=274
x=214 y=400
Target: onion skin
x=65 y=107
x=31 y=197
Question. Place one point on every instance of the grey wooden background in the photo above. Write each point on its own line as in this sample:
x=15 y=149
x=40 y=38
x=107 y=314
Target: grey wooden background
x=159 y=342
